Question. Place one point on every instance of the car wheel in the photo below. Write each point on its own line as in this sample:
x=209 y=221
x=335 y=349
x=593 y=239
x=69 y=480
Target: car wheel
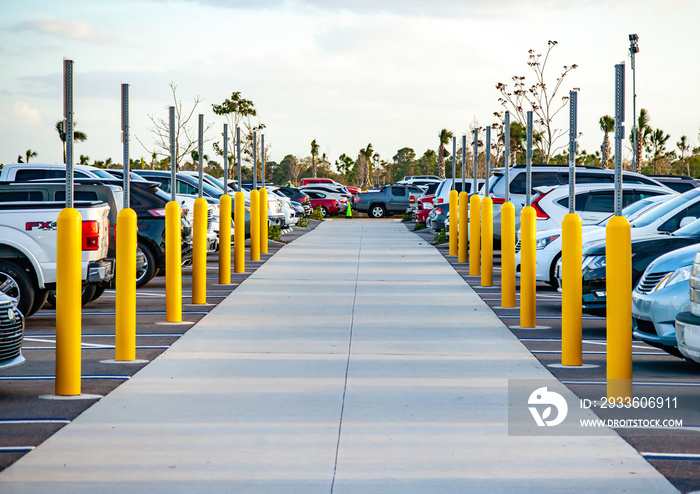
x=39 y=300
x=99 y=290
x=148 y=270
x=15 y=283
x=552 y=279
x=324 y=212
x=377 y=211
x=86 y=296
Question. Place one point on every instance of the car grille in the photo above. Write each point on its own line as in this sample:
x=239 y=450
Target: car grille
x=649 y=281
x=11 y=332
x=645 y=326
x=517 y=246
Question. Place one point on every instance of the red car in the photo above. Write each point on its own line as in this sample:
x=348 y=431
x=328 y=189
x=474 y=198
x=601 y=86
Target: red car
x=425 y=205
x=329 y=206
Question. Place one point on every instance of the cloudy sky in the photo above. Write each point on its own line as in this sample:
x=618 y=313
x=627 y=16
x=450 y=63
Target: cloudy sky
x=389 y=72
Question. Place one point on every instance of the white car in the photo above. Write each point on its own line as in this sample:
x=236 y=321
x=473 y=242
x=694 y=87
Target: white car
x=290 y=215
x=548 y=242
x=592 y=202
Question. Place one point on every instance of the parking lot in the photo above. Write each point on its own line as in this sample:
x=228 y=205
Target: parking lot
x=27 y=419
x=674 y=452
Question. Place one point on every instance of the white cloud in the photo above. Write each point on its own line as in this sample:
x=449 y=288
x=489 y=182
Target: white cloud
x=23 y=114
x=72 y=30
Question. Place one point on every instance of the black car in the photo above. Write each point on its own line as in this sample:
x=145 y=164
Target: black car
x=679 y=183
x=297 y=195
x=189 y=185
x=645 y=249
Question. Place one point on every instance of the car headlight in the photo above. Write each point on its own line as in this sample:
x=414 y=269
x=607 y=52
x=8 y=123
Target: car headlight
x=593 y=262
x=543 y=242
x=680 y=274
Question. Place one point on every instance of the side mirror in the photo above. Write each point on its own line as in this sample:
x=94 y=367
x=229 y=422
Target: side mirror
x=687 y=221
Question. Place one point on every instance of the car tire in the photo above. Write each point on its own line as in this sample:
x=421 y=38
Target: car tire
x=324 y=212
x=99 y=290
x=86 y=296
x=39 y=300
x=148 y=271
x=377 y=211
x=552 y=279
x=15 y=283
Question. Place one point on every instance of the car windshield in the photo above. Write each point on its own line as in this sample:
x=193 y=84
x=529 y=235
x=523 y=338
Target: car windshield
x=654 y=214
x=101 y=173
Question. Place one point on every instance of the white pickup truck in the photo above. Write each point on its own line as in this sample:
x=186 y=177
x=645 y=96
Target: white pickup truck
x=28 y=241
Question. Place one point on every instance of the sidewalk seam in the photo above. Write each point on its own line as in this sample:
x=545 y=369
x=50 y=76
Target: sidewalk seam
x=347 y=365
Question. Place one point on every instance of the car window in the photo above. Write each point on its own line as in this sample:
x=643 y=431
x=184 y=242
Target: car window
x=591 y=178
x=185 y=188
x=517 y=184
x=579 y=204
x=673 y=223
x=398 y=191
x=78 y=195
x=497 y=186
x=691 y=230
x=679 y=186
x=22 y=195
x=24 y=175
x=79 y=174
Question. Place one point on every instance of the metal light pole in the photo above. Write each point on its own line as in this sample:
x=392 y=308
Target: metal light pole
x=634 y=49
x=573 y=108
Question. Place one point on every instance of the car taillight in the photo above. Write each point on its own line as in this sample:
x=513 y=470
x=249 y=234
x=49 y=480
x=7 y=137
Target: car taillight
x=91 y=235
x=157 y=212
x=440 y=200
x=412 y=200
x=439 y=211
x=356 y=199
x=539 y=212
x=498 y=200
x=335 y=203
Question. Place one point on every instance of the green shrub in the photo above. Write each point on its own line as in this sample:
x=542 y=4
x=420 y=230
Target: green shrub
x=274 y=232
x=317 y=214
x=441 y=237
x=407 y=217
x=303 y=222
x=419 y=226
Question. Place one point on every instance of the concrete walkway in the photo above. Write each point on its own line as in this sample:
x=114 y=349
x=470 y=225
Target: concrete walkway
x=355 y=360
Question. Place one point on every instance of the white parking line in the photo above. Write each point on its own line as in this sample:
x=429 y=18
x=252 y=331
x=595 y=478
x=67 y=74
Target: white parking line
x=670 y=456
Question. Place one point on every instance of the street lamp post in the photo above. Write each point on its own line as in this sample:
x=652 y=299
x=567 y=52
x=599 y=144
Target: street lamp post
x=634 y=48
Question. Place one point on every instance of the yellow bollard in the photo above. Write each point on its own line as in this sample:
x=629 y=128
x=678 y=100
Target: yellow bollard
x=68 y=302
x=254 y=225
x=225 y=239
x=463 y=225
x=173 y=262
x=125 y=320
x=454 y=221
x=618 y=273
x=199 y=252
x=474 y=235
x=507 y=255
x=262 y=200
x=239 y=233
x=528 y=282
x=571 y=329
x=487 y=242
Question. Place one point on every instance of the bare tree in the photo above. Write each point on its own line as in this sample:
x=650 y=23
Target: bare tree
x=233 y=109
x=186 y=134
x=539 y=98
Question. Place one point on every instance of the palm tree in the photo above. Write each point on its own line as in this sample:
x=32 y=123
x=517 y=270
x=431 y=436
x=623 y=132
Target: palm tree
x=684 y=147
x=31 y=154
x=657 y=144
x=445 y=136
x=195 y=160
x=77 y=136
x=607 y=125
x=84 y=159
x=518 y=137
x=314 y=153
x=643 y=132
x=366 y=154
